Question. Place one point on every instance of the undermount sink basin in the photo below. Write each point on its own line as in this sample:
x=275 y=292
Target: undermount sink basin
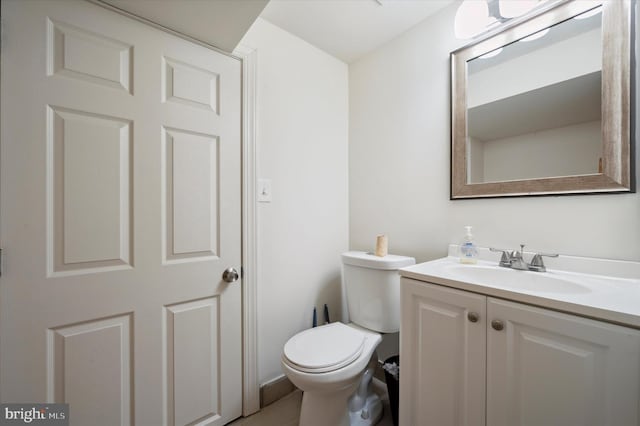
x=545 y=282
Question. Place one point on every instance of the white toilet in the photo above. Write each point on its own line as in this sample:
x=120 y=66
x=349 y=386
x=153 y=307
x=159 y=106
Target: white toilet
x=333 y=364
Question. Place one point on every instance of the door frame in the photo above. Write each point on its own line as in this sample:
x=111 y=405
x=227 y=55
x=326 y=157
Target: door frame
x=248 y=58
x=250 y=383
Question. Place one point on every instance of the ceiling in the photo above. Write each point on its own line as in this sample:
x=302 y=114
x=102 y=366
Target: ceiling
x=346 y=29
x=349 y=29
x=221 y=23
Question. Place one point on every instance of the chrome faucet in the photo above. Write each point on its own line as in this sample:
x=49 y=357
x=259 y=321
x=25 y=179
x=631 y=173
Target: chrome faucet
x=515 y=260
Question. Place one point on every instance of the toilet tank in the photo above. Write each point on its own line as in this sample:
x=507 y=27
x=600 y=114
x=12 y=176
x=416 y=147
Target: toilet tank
x=372 y=286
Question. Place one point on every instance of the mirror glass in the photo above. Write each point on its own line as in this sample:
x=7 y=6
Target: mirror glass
x=543 y=104
x=547 y=124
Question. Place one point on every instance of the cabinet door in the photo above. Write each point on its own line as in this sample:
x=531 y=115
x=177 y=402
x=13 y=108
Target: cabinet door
x=548 y=368
x=443 y=356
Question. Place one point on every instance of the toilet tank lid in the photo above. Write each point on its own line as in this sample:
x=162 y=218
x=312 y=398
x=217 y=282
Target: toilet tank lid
x=370 y=260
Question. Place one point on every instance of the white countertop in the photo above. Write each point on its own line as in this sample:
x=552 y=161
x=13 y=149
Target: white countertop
x=604 y=297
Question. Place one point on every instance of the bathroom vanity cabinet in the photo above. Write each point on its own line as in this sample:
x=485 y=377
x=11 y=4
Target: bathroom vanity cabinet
x=471 y=359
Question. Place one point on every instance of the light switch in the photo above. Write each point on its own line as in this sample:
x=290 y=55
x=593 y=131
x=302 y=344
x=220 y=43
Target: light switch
x=264 y=190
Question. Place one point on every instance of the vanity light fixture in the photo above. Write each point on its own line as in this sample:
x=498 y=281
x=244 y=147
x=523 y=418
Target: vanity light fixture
x=472 y=19
x=514 y=8
x=475 y=17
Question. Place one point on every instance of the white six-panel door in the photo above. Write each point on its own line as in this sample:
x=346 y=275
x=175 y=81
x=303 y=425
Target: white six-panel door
x=120 y=209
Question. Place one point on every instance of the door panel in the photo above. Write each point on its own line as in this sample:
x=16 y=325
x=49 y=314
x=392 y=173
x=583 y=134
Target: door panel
x=91 y=370
x=78 y=53
x=193 y=368
x=191 y=190
x=89 y=189
x=188 y=84
x=120 y=208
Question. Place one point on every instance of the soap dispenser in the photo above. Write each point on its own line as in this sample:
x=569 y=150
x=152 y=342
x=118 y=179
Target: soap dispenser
x=468 y=250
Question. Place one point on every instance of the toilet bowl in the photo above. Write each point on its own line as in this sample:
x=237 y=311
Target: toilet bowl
x=327 y=363
x=333 y=364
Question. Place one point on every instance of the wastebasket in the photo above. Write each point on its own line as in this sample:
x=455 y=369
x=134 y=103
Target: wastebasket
x=391 y=369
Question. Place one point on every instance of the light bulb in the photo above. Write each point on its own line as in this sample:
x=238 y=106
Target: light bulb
x=471 y=19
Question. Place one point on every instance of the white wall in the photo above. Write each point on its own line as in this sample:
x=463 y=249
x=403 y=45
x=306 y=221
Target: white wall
x=564 y=151
x=302 y=130
x=399 y=136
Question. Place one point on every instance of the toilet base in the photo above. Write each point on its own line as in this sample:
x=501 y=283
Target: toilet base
x=322 y=409
x=368 y=415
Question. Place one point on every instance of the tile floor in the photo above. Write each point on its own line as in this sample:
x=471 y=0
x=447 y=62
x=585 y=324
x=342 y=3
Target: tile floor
x=286 y=411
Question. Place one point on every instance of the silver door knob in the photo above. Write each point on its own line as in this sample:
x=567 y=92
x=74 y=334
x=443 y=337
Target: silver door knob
x=230 y=275
x=497 y=325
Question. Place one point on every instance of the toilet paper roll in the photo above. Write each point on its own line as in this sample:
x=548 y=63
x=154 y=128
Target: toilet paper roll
x=381 y=245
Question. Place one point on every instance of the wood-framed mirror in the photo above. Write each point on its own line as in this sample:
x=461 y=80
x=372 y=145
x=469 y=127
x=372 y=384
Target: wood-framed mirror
x=544 y=106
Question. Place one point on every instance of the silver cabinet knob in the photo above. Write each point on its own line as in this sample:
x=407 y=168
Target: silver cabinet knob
x=230 y=275
x=473 y=316
x=497 y=325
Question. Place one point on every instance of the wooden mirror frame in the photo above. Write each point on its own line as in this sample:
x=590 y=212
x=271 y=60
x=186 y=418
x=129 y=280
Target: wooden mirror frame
x=617 y=102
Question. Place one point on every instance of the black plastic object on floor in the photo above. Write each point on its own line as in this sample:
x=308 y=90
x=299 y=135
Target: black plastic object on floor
x=393 y=384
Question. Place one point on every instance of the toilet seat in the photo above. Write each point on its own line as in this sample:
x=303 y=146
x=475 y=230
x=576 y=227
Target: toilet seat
x=324 y=349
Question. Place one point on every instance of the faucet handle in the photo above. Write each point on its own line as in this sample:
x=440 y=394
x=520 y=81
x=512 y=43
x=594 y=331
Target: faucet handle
x=505 y=259
x=537 y=264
